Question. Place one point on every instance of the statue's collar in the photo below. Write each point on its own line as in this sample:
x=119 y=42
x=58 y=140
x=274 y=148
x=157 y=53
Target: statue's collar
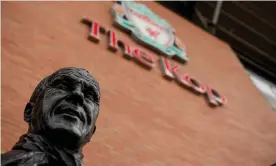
x=33 y=142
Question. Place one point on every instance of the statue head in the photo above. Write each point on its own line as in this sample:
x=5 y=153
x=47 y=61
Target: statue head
x=64 y=107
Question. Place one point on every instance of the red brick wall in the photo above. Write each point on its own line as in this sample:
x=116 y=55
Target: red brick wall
x=144 y=120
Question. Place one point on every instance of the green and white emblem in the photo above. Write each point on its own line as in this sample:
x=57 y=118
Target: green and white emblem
x=148 y=28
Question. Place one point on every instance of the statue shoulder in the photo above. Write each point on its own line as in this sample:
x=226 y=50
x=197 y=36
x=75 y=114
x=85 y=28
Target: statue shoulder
x=21 y=157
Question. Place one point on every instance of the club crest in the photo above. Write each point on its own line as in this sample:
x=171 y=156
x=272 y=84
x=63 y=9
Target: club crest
x=148 y=29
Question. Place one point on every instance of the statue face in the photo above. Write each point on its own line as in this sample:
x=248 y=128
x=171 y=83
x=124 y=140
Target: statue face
x=69 y=104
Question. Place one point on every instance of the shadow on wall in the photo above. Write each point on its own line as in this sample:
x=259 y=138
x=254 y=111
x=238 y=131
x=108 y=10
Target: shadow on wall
x=183 y=8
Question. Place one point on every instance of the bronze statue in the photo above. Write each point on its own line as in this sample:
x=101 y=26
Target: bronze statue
x=61 y=114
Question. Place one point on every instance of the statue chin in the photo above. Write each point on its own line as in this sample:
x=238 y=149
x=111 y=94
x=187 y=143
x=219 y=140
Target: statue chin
x=69 y=131
x=65 y=134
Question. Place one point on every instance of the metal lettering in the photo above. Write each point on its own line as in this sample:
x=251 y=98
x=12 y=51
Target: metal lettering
x=214 y=98
x=94 y=30
x=167 y=68
x=112 y=41
x=143 y=58
x=126 y=49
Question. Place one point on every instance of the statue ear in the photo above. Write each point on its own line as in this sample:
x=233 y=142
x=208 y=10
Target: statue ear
x=28 y=112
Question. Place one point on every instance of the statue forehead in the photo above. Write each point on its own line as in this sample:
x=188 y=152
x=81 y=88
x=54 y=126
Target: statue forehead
x=73 y=74
x=69 y=72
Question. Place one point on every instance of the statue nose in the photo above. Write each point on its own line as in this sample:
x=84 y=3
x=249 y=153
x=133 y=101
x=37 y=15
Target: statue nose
x=77 y=95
